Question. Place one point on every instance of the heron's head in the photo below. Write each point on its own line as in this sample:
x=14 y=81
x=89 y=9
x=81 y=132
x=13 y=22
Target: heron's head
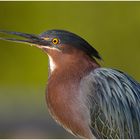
x=60 y=45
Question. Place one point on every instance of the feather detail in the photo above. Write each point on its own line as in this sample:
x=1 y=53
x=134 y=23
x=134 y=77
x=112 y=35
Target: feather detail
x=117 y=98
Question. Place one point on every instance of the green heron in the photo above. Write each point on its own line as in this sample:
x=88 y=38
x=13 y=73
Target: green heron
x=87 y=100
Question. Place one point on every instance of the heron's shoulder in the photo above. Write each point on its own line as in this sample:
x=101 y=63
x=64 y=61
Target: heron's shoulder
x=109 y=72
x=113 y=74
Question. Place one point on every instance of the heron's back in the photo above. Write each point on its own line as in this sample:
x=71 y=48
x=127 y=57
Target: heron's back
x=115 y=98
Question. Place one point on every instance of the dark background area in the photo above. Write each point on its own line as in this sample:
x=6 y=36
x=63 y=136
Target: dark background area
x=113 y=28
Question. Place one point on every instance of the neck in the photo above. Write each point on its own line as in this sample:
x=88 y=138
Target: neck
x=63 y=93
x=75 y=64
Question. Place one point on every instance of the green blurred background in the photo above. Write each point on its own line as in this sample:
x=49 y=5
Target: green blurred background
x=113 y=28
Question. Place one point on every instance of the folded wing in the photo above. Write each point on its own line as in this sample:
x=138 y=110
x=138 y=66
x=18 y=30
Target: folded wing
x=115 y=99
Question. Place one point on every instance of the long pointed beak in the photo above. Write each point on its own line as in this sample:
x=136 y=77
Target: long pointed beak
x=30 y=38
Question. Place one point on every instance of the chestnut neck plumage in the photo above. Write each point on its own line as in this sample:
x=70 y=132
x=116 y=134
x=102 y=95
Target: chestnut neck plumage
x=63 y=97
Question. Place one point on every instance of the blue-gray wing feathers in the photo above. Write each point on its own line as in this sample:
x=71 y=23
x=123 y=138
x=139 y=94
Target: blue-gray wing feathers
x=116 y=101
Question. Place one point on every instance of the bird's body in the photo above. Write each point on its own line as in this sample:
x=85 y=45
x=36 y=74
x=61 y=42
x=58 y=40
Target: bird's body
x=76 y=101
x=87 y=100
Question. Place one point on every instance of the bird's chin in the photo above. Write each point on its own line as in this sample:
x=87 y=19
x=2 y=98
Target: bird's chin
x=44 y=48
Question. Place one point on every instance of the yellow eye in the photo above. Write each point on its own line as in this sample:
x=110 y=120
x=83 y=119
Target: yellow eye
x=55 y=41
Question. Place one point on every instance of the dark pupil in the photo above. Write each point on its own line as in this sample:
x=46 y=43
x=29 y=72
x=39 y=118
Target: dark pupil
x=54 y=41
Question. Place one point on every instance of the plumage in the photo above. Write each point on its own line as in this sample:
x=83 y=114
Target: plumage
x=116 y=99
x=87 y=100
